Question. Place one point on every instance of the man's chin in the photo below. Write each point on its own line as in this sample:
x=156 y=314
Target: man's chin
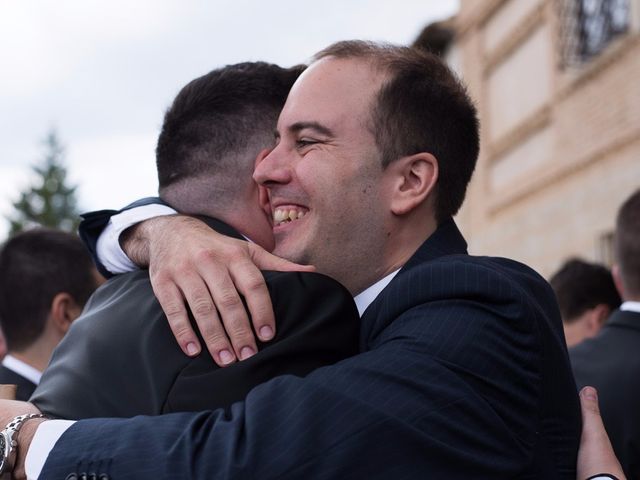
x=295 y=255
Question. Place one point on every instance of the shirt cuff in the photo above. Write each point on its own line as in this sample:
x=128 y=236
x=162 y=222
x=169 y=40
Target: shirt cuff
x=45 y=438
x=108 y=249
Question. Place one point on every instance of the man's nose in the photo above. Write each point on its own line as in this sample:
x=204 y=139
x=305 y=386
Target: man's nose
x=273 y=168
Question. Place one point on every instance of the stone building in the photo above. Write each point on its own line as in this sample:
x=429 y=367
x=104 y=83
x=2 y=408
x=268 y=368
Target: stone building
x=557 y=84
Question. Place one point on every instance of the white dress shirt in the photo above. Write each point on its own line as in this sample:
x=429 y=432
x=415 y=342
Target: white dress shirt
x=22 y=369
x=629 y=306
x=108 y=246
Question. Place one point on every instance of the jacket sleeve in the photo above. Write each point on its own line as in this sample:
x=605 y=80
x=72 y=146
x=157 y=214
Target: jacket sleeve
x=93 y=223
x=450 y=389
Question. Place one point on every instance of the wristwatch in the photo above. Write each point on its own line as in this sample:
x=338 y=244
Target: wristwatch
x=8 y=446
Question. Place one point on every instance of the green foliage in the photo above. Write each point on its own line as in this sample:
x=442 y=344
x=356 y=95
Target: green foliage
x=49 y=201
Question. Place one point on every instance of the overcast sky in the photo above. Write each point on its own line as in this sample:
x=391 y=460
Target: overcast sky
x=102 y=73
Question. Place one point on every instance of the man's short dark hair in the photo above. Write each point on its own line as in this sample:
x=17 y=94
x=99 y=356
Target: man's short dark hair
x=581 y=286
x=219 y=116
x=627 y=244
x=35 y=266
x=422 y=107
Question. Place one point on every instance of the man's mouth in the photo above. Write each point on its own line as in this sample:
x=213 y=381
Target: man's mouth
x=290 y=213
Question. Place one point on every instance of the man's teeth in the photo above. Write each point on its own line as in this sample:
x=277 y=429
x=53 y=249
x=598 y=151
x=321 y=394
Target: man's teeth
x=282 y=215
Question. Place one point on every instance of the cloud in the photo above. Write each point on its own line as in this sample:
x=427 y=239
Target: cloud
x=102 y=73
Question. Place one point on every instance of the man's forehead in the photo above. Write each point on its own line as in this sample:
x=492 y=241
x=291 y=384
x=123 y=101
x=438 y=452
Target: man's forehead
x=331 y=88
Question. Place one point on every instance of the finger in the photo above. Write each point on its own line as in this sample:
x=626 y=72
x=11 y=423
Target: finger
x=589 y=403
x=172 y=303
x=251 y=283
x=231 y=311
x=267 y=261
x=203 y=309
x=595 y=454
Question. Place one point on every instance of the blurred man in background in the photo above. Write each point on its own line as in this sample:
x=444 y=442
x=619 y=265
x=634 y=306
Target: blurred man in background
x=586 y=295
x=611 y=361
x=46 y=276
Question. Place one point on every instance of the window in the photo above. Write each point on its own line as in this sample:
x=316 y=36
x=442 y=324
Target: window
x=589 y=26
x=605 y=254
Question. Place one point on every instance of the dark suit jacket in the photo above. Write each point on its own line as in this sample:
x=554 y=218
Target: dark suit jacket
x=463 y=374
x=120 y=358
x=25 y=386
x=611 y=363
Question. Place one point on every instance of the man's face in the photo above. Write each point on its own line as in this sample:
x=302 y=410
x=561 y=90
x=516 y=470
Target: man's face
x=326 y=184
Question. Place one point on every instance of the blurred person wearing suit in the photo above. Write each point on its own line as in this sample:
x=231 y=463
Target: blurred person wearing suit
x=46 y=276
x=586 y=296
x=611 y=360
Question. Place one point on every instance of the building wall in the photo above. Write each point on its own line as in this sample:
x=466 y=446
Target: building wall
x=560 y=144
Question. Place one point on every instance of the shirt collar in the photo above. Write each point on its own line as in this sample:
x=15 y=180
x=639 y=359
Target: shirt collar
x=21 y=368
x=366 y=297
x=630 y=307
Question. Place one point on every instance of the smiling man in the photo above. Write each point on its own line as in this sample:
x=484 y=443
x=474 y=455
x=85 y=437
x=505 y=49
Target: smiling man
x=463 y=371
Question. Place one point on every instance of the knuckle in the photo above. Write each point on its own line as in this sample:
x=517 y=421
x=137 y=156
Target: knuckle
x=159 y=278
x=182 y=331
x=216 y=340
x=229 y=301
x=236 y=252
x=254 y=282
x=238 y=329
x=202 y=308
x=205 y=256
x=173 y=310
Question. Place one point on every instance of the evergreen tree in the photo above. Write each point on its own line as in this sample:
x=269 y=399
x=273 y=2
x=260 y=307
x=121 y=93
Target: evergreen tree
x=49 y=201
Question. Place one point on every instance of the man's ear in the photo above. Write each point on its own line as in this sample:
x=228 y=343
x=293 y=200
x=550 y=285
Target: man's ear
x=263 y=192
x=598 y=317
x=64 y=310
x=414 y=178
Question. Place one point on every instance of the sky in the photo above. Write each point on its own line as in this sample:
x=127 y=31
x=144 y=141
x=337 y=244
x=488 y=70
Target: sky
x=103 y=73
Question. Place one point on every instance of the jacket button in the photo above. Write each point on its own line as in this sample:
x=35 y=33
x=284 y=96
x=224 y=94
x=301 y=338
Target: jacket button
x=71 y=476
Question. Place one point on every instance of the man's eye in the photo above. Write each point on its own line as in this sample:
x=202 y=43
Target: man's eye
x=305 y=142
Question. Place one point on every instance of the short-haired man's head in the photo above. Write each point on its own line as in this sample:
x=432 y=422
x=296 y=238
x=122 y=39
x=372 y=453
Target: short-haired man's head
x=421 y=107
x=219 y=122
x=35 y=266
x=627 y=245
x=581 y=286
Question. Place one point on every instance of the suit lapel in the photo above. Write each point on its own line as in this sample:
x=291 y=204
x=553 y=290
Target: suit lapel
x=446 y=240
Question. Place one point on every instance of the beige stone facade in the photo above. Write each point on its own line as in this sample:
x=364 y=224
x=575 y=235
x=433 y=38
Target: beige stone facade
x=560 y=143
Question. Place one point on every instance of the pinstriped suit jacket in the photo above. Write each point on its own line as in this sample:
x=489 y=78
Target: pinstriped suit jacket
x=463 y=374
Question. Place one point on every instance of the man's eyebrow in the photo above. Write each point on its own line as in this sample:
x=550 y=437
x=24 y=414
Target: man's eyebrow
x=319 y=128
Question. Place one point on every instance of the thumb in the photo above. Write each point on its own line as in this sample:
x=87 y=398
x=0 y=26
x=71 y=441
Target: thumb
x=596 y=454
x=589 y=404
x=267 y=261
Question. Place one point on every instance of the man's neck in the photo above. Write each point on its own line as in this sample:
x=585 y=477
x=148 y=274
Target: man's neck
x=400 y=246
x=37 y=355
